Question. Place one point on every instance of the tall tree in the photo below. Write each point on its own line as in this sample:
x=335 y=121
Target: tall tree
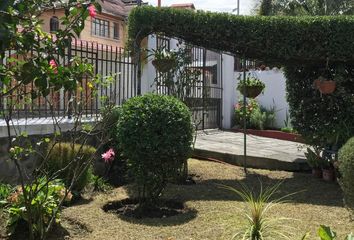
x=306 y=7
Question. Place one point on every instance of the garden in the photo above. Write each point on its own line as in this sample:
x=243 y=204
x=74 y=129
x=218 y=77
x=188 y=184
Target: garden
x=129 y=173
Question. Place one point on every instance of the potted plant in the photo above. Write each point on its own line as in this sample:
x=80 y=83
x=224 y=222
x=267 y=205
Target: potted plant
x=250 y=87
x=164 y=60
x=328 y=170
x=315 y=161
x=325 y=85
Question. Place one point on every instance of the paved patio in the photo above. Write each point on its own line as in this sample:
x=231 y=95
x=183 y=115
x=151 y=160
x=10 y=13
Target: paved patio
x=266 y=153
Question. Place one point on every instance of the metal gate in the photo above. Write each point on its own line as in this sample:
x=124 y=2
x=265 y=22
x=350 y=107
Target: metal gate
x=205 y=98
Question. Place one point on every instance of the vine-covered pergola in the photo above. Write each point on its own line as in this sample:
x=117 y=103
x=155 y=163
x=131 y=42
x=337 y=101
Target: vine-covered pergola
x=303 y=45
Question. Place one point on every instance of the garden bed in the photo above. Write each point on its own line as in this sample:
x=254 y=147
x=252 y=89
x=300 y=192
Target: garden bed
x=217 y=212
x=274 y=134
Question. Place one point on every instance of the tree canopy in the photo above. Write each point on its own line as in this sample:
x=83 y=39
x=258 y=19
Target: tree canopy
x=306 y=7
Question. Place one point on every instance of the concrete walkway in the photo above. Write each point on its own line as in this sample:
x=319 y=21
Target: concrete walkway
x=266 y=153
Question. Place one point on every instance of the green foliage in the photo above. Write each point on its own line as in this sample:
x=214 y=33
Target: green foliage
x=279 y=39
x=346 y=169
x=5 y=191
x=155 y=133
x=306 y=7
x=250 y=81
x=47 y=195
x=163 y=54
x=314 y=158
x=326 y=233
x=260 y=225
x=323 y=120
x=67 y=158
x=99 y=184
x=257 y=117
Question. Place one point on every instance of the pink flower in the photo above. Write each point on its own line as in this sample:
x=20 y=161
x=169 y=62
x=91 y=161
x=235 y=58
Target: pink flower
x=108 y=156
x=92 y=10
x=53 y=65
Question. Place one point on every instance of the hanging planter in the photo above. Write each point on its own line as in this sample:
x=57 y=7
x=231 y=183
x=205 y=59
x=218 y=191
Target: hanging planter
x=325 y=85
x=164 y=65
x=164 y=60
x=251 y=87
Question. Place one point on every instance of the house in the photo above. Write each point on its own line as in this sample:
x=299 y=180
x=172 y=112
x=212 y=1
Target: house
x=107 y=28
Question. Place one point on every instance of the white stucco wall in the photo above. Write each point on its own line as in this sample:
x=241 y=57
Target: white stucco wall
x=274 y=93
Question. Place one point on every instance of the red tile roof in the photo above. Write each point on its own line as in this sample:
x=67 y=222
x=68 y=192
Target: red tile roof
x=183 y=5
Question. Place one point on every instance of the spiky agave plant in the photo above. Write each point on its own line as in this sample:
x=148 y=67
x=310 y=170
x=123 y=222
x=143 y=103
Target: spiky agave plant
x=260 y=225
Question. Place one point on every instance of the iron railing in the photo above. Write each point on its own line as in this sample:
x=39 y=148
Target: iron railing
x=106 y=61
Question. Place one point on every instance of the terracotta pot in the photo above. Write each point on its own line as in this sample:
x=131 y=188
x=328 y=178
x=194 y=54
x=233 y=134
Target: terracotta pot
x=317 y=172
x=252 y=91
x=328 y=175
x=326 y=86
x=164 y=65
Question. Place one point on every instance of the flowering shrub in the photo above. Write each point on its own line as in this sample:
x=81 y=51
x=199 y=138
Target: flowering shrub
x=108 y=156
x=48 y=195
x=251 y=106
x=257 y=117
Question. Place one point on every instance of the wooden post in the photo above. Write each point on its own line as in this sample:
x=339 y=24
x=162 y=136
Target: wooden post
x=159 y=3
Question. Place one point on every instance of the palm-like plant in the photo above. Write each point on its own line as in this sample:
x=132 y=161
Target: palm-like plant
x=306 y=7
x=260 y=225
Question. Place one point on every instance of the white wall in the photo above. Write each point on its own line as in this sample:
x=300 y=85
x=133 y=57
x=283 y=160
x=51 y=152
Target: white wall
x=274 y=93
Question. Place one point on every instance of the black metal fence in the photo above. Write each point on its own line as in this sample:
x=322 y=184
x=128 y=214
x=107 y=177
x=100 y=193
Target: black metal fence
x=106 y=60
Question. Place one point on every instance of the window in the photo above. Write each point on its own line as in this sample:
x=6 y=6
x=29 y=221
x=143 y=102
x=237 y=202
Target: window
x=100 y=27
x=54 y=24
x=115 y=30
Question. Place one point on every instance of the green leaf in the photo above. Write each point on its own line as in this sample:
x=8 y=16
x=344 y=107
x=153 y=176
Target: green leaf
x=325 y=233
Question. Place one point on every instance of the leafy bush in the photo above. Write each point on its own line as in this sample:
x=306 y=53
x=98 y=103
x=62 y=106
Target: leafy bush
x=116 y=170
x=5 y=191
x=326 y=120
x=257 y=117
x=64 y=154
x=346 y=169
x=44 y=205
x=155 y=133
x=278 y=39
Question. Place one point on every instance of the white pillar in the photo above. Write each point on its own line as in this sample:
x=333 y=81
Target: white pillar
x=148 y=70
x=229 y=90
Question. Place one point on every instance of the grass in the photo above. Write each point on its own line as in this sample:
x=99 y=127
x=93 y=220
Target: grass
x=218 y=212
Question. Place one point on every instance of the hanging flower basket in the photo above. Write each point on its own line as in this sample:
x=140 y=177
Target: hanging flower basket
x=164 y=65
x=251 y=91
x=325 y=86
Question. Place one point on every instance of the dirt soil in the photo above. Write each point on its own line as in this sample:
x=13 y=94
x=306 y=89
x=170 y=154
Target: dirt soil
x=216 y=213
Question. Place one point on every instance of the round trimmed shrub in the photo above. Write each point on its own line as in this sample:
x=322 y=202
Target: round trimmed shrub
x=155 y=134
x=346 y=169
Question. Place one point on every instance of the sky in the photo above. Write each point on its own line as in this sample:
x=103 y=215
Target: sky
x=213 y=5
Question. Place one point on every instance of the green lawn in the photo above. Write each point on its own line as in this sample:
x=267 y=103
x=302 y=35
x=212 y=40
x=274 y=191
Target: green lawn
x=216 y=213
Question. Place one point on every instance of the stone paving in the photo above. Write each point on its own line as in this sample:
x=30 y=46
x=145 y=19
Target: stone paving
x=262 y=152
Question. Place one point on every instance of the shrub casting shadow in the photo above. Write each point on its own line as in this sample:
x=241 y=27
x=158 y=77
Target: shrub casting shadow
x=167 y=213
x=306 y=188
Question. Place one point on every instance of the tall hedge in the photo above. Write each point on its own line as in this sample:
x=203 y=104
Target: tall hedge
x=346 y=168
x=324 y=120
x=292 y=39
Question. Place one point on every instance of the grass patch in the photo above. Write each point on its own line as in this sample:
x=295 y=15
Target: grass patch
x=218 y=211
